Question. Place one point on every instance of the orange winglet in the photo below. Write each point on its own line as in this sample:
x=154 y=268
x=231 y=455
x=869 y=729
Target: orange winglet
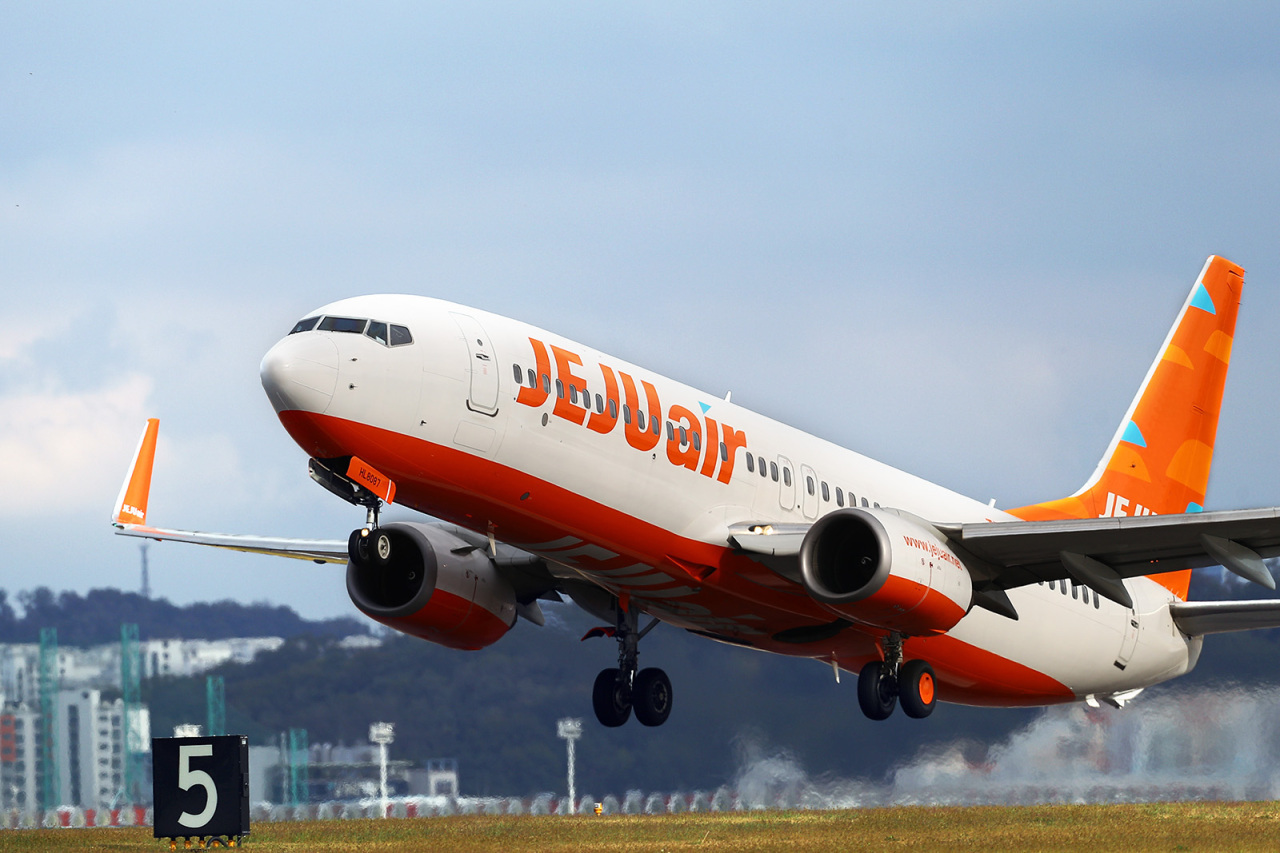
x=371 y=478
x=131 y=506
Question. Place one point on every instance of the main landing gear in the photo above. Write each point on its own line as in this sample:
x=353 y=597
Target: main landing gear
x=620 y=690
x=883 y=684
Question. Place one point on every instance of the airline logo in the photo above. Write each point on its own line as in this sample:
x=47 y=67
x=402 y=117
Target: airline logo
x=698 y=443
x=932 y=549
x=1118 y=507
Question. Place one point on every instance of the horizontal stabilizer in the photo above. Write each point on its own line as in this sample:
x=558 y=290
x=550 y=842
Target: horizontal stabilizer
x=1197 y=618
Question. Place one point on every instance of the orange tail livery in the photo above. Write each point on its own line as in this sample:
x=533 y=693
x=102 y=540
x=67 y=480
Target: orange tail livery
x=1158 y=461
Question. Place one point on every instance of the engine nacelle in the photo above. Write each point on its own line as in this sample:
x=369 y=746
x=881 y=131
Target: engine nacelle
x=434 y=586
x=880 y=569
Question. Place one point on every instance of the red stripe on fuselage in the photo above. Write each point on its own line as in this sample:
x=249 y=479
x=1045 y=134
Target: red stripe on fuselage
x=743 y=600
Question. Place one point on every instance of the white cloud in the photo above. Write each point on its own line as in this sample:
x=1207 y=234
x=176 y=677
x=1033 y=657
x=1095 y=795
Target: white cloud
x=66 y=449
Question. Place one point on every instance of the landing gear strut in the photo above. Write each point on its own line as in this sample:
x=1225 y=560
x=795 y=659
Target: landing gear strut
x=883 y=684
x=621 y=689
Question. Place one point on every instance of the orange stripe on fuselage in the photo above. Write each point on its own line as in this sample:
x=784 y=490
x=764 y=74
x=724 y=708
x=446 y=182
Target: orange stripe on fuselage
x=475 y=492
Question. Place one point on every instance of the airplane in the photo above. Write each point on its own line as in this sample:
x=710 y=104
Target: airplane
x=551 y=470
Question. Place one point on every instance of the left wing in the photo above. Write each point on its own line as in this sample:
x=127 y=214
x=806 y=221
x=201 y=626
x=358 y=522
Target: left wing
x=1097 y=552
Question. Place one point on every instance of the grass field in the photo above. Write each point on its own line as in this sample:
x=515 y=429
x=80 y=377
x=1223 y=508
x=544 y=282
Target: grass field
x=1163 y=827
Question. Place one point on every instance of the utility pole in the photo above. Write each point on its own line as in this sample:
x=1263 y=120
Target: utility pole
x=570 y=729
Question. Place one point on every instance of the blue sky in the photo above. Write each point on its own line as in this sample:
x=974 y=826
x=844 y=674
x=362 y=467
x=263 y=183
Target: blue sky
x=950 y=238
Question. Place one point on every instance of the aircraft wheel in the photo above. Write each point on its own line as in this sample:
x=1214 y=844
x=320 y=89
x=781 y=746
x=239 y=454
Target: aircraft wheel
x=609 y=699
x=651 y=697
x=877 y=691
x=379 y=545
x=356 y=548
x=916 y=689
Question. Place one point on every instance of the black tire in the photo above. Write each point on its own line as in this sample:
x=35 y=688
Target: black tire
x=610 y=700
x=877 y=691
x=917 y=689
x=354 y=548
x=651 y=697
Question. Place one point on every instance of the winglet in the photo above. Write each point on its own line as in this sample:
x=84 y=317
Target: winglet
x=131 y=506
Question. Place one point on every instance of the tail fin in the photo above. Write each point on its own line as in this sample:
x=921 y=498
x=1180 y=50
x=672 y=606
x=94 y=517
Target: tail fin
x=131 y=506
x=1158 y=461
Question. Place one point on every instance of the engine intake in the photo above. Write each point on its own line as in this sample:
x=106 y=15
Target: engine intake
x=435 y=586
x=880 y=569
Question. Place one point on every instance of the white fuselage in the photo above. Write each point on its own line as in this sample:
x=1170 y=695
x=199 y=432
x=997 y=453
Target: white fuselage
x=587 y=485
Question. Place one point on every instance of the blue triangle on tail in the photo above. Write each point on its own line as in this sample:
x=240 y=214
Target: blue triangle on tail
x=1133 y=435
x=1202 y=300
x=704 y=406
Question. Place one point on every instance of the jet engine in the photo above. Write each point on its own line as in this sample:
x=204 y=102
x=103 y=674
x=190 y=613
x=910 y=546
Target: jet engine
x=884 y=570
x=424 y=581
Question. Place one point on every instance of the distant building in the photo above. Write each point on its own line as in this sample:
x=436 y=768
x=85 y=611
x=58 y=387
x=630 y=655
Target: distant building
x=19 y=757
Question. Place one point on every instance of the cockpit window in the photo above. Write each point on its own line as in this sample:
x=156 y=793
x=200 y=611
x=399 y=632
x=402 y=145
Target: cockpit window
x=377 y=331
x=400 y=336
x=305 y=325
x=342 y=324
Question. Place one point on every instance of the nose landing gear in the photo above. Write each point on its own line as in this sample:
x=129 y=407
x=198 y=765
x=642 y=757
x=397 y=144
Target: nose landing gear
x=620 y=690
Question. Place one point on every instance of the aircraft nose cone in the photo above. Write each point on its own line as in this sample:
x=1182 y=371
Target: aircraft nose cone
x=301 y=372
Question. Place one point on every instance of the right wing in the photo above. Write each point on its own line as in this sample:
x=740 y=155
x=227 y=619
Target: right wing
x=130 y=517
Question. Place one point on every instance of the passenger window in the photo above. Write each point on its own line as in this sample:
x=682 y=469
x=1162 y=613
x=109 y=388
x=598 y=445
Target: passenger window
x=826 y=493
x=342 y=324
x=546 y=384
x=656 y=426
x=864 y=502
x=839 y=496
x=626 y=413
x=613 y=409
x=533 y=378
x=1063 y=586
x=640 y=420
x=573 y=394
x=671 y=431
x=808 y=484
x=1096 y=604
x=304 y=325
x=786 y=476
x=378 y=331
x=1075 y=591
x=1084 y=594
x=751 y=462
x=684 y=436
x=763 y=467
x=697 y=441
x=773 y=471
x=559 y=389
x=519 y=375
x=400 y=336
x=875 y=504
x=1053 y=584
x=724 y=454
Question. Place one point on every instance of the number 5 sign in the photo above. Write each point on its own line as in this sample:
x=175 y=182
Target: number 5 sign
x=201 y=786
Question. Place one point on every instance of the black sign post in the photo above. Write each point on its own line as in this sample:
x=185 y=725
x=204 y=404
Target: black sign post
x=201 y=787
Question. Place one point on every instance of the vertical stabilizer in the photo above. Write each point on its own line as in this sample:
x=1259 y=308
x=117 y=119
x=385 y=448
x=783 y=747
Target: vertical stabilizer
x=1158 y=461
x=131 y=506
